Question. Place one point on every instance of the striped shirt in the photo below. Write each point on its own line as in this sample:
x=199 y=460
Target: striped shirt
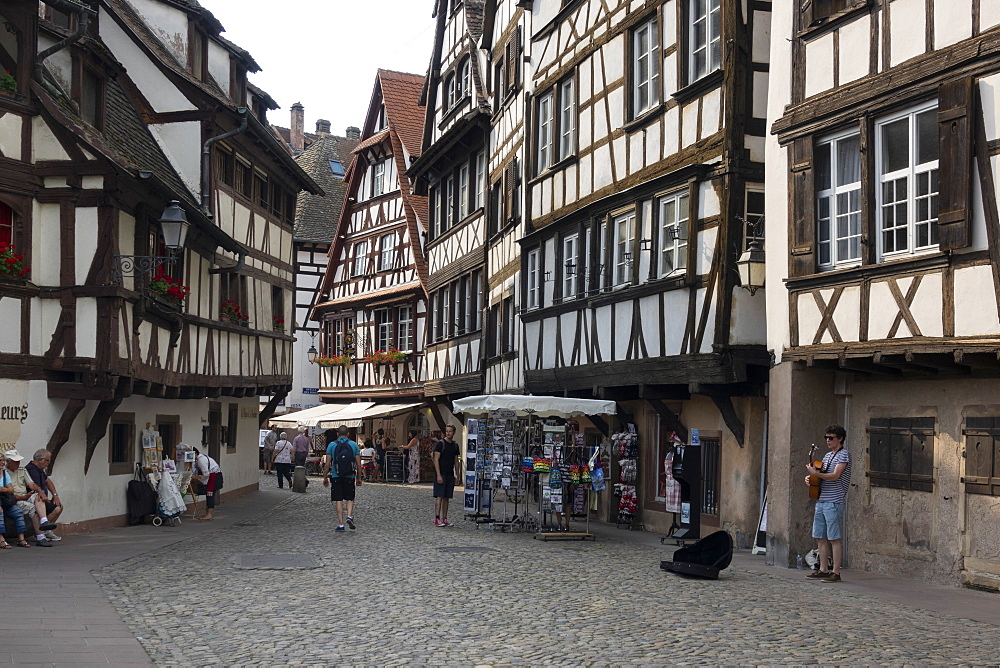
x=835 y=491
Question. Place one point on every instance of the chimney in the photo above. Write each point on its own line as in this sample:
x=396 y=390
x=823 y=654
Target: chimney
x=353 y=133
x=322 y=127
x=298 y=138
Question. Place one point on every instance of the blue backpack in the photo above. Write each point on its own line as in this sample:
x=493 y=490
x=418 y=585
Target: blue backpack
x=343 y=458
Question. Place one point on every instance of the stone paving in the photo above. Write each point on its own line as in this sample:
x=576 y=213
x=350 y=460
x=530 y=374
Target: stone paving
x=390 y=593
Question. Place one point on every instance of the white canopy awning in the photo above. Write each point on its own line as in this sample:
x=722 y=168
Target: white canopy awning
x=310 y=417
x=352 y=417
x=540 y=406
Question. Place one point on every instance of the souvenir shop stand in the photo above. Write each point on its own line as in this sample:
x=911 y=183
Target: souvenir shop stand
x=528 y=467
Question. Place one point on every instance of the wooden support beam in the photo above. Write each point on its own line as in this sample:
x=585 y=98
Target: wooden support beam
x=98 y=426
x=671 y=418
x=268 y=410
x=601 y=425
x=866 y=366
x=731 y=417
x=61 y=433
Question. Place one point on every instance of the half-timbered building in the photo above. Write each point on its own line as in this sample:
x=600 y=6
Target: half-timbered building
x=884 y=278
x=134 y=104
x=372 y=303
x=324 y=157
x=452 y=173
x=644 y=160
x=505 y=25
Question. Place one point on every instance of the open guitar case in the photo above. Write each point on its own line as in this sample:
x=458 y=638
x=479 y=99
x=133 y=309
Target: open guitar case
x=705 y=558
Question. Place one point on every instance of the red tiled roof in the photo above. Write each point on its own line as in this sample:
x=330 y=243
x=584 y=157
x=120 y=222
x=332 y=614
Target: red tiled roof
x=376 y=138
x=401 y=94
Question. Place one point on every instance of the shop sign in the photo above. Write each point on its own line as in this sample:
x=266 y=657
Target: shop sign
x=13 y=411
x=310 y=390
x=249 y=413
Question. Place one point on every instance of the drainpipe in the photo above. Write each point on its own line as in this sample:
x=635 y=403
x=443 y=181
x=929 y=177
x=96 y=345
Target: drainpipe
x=85 y=13
x=206 y=162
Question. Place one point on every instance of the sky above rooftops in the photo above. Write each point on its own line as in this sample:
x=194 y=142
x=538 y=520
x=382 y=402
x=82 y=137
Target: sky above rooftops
x=325 y=53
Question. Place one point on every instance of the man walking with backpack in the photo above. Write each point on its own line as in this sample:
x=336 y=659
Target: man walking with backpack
x=340 y=467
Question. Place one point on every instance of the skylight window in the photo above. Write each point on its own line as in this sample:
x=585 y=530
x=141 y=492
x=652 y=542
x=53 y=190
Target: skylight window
x=337 y=167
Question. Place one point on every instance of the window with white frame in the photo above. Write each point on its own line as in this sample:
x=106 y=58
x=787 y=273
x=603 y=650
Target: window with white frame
x=378 y=178
x=645 y=67
x=907 y=192
x=534 y=279
x=434 y=211
x=624 y=230
x=545 y=131
x=383 y=328
x=475 y=308
x=449 y=92
x=673 y=233
x=449 y=203
x=704 y=38
x=603 y=262
x=838 y=199
x=753 y=216
x=387 y=252
x=460 y=291
x=404 y=328
x=361 y=258
x=571 y=266
x=567 y=119
x=464 y=79
x=480 y=183
x=434 y=318
x=585 y=260
x=463 y=191
x=446 y=323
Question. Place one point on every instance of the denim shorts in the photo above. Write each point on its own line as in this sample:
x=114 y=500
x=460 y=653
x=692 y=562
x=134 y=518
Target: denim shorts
x=827 y=520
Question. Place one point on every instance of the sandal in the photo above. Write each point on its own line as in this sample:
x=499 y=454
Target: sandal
x=22 y=543
x=4 y=545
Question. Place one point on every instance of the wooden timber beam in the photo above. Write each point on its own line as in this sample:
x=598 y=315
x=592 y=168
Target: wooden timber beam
x=601 y=425
x=98 y=426
x=668 y=416
x=268 y=410
x=866 y=366
x=61 y=433
x=731 y=417
x=436 y=412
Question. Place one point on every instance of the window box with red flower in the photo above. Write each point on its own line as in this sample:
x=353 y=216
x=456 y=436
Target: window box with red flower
x=169 y=289
x=278 y=322
x=335 y=360
x=11 y=262
x=390 y=356
x=231 y=311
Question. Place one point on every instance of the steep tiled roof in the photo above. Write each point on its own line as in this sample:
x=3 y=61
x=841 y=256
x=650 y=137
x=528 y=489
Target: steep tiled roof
x=285 y=135
x=316 y=215
x=401 y=95
x=376 y=138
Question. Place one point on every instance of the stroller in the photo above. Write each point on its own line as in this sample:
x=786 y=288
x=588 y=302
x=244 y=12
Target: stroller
x=169 y=504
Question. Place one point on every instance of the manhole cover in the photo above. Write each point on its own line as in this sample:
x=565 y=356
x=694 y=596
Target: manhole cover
x=466 y=549
x=276 y=562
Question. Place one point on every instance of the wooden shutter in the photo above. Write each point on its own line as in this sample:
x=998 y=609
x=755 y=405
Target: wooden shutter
x=509 y=177
x=518 y=50
x=955 y=160
x=802 y=209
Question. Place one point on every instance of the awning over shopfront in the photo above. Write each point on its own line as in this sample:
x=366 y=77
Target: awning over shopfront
x=311 y=417
x=539 y=406
x=352 y=417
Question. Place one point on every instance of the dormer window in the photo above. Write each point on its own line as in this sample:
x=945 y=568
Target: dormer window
x=90 y=95
x=380 y=119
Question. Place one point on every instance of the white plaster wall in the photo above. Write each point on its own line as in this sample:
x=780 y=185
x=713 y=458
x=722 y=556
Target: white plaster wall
x=85 y=241
x=181 y=143
x=848 y=313
x=151 y=82
x=711 y=108
x=45 y=249
x=855 y=40
x=218 y=66
x=708 y=200
x=761 y=37
x=819 y=64
x=749 y=321
x=10 y=135
x=604 y=325
x=809 y=318
x=623 y=327
x=706 y=250
x=909 y=24
x=86 y=327
x=169 y=24
x=760 y=94
x=10 y=333
x=989 y=15
x=776 y=178
x=926 y=308
x=675 y=313
x=45 y=145
x=952 y=21
x=975 y=304
x=883 y=312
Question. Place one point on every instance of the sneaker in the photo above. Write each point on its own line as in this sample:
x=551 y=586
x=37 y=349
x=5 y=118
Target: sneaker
x=446 y=523
x=340 y=528
x=832 y=577
x=44 y=542
x=47 y=526
x=817 y=575
x=438 y=522
x=51 y=536
x=350 y=522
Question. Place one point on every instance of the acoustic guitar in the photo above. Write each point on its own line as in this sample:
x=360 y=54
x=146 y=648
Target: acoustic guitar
x=814 y=480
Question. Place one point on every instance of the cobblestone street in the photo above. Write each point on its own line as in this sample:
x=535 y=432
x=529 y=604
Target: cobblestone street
x=392 y=593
